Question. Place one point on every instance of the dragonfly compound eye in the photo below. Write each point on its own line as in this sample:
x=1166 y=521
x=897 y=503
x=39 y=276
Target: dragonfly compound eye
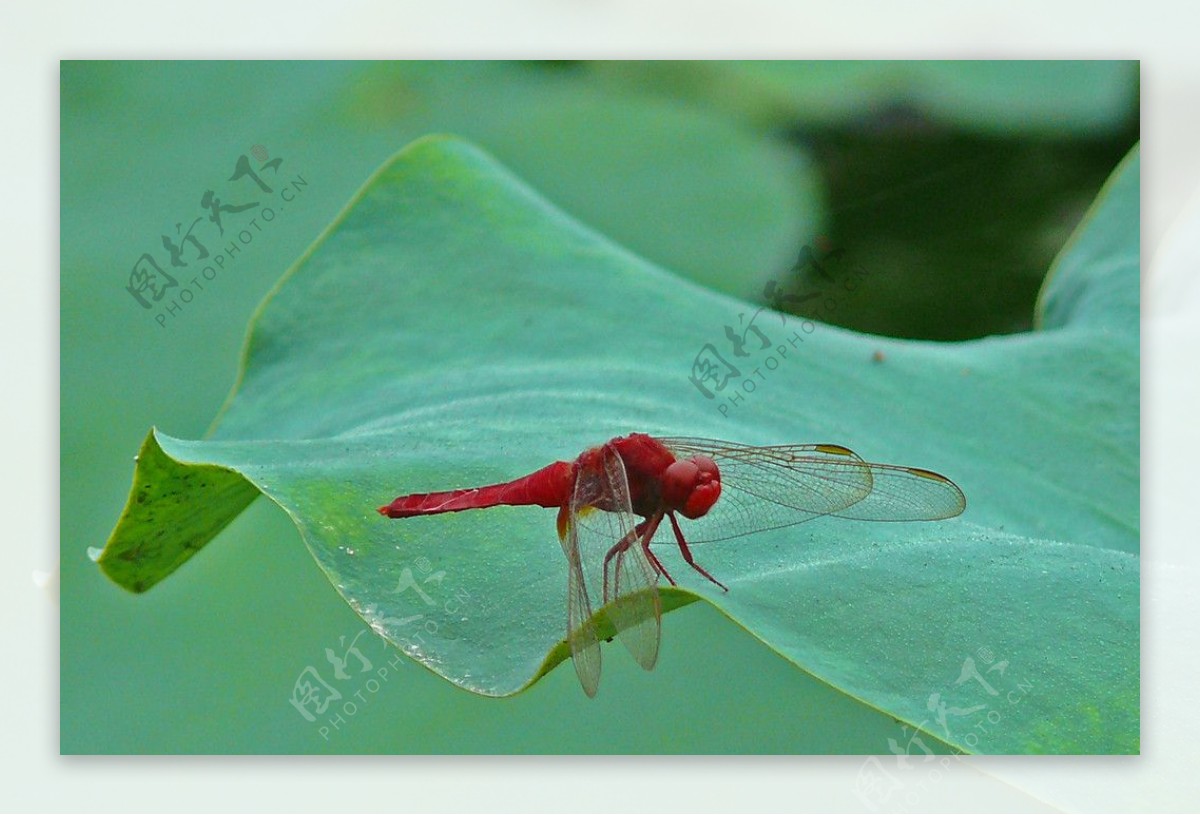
x=707 y=488
x=691 y=486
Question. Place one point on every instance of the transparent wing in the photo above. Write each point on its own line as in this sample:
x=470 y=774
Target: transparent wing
x=607 y=536
x=581 y=629
x=772 y=487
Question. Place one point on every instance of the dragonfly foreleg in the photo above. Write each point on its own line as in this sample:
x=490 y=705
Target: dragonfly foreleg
x=687 y=553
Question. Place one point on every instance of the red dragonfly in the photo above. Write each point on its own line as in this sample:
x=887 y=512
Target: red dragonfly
x=613 y=499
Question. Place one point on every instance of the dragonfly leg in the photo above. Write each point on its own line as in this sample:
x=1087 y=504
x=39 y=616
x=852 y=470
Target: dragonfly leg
x=657 y=564
x=646 y=538
x=638 y=532
x=643 y=532
x=687 y=553
x=617 y=549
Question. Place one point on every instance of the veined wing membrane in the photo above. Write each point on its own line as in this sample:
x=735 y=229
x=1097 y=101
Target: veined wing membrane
x=772 y=487
x=907 y=494
x=581 y=628
x=624 y=579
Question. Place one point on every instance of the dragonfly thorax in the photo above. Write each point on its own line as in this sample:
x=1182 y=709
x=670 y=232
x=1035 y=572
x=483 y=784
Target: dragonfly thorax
x=691 y=486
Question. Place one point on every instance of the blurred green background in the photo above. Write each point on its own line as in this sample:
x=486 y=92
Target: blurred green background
x=953 y=185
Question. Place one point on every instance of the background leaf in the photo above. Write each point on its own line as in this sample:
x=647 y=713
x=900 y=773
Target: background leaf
x=1083 y=97
x=954 y=183
x=356 y=387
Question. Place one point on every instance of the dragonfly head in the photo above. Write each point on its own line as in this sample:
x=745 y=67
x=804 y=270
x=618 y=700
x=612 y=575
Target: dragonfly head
x=691 y=486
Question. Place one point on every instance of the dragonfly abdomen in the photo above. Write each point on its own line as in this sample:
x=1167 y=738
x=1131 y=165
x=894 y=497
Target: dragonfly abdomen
x=548 y=487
